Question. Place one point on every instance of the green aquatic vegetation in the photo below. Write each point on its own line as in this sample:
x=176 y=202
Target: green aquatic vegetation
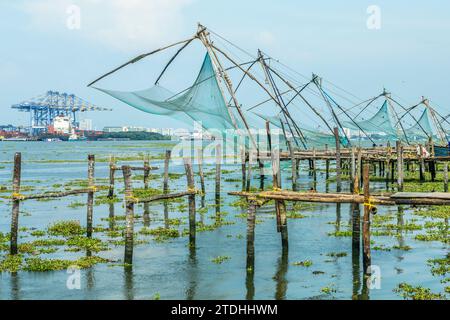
x=232 y=180
x=242 y=215
x=104 y=199
x=202 y=210
x=304 y=263
x=440 y=212
x=241 y=202
x=220 y=259
x=79 y=243
x=434 y=235
x=347 y=233
x=381 y=248
x=328 y=290
x=423 y=187
x=440 y=267
x=77 y=183
x=156 y=296
x=38 y=233
x=11 y=263
x=48 y=242
x=295 y=215
x=175 y=222
x=317 y=272
x=57 y=185
x=408 y=291
x=76 y=204
x=4 y=237
x=146 y=193
x=337 y=254
x=66 y=228
x=402 y=247
x=175 y=176
x=161 y=232
x=409 y=226
x=43 y=265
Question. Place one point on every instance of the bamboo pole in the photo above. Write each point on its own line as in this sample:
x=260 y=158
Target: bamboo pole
x=90 y=196
x=353 y=169
x=218 y=172
x=294 y=167
x=249 y=170
x=399 y=148
x=15 y=203
x=338 y=160
x=445 y=176
x=200 y=171
x=146 y=171
x=327 y=165
x=129 y=212
x=243 y=166
x=166 y=171
x=111 y=177
x=366 y=220
x=191 y=199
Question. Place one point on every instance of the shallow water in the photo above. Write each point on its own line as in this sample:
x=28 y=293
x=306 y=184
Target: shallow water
x=172 y=270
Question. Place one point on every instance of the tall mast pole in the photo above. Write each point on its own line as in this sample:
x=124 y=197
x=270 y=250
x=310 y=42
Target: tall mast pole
x=437 y=124
x=203 y=36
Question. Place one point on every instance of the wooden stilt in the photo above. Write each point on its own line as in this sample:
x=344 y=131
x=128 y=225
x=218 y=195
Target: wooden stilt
x=146 y=171
x=399 y=148
x=112 y=165
x=200 y=170
x=249 y=170
x=191 y=199
x=366 y=220
x=129 y=213
x=338 y=160
x=446 y=176
x=166 y=171
x=90 y=196
x=353 y=169
x=294 y=168
x=250 y=266
x=243 y=167
x=15 y=203
x=218 y=173
x=327 y=165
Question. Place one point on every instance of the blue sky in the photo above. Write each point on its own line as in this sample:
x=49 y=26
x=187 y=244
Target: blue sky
x=409 y=54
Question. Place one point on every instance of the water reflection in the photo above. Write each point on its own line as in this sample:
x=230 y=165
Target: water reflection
x=15 y=286
x=128 y=287
x=280 y=276
x=166 y=214
x=192 y=274
x=146 y=215
x=111 y=217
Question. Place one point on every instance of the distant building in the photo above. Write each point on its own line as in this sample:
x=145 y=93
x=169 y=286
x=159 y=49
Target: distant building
x=85 y=125
x=113 y=129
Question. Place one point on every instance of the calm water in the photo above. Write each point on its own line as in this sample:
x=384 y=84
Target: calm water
x=172 y=271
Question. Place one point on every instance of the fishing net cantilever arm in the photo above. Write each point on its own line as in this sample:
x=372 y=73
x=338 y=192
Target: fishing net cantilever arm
x=140 y=57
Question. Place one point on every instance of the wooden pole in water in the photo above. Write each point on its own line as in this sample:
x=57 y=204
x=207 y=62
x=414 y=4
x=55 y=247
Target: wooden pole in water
x=327 y=164
x=166 y=171
x=280 y=205
x=249 y=170
x=399 y=166
x=446 y=176
x=338 y=160
x=191 y=199
x=251 y=218
x=421 y=165
x=294 y=167
x=15 y=203
x=112 y=166
x=146 y=171
x=314 y=169
x=366 y=220
x=200 y=170
x=353 y=169
x=90 y=196
x=129 y=212
x=218 y=173
x=243 y=167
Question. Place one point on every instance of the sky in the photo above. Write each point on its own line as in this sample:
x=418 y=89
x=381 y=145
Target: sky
x=43 y=48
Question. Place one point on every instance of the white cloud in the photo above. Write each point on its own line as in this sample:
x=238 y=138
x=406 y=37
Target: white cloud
x=122 y=24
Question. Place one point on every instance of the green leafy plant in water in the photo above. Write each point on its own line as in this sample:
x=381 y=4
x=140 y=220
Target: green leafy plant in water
x=66 y=229
x=304 y=263
x=408 y=291
x=220 y=259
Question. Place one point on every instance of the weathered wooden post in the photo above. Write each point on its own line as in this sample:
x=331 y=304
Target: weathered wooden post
x=327 y=164
x=399 y=165
x=15 y=202
x=338 y=160
x=388 y=163
x=166 y=171
x=218 y=172
x=356 y=227
x=146 y=171
x=191 y=200
x=90 y=196
x=129 y=213
x=421 y=165
x=243 y=166
x=353 y=170
x=280 y=206
x=314 y=168
x=112 y=170
x=446 y=176
x=366 y=220
x=249 y=170
x=251 y=218
x=294 y=167
x=200 y=171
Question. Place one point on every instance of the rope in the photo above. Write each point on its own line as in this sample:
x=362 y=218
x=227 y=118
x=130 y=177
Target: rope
x=370 y=204
x=17 y=196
